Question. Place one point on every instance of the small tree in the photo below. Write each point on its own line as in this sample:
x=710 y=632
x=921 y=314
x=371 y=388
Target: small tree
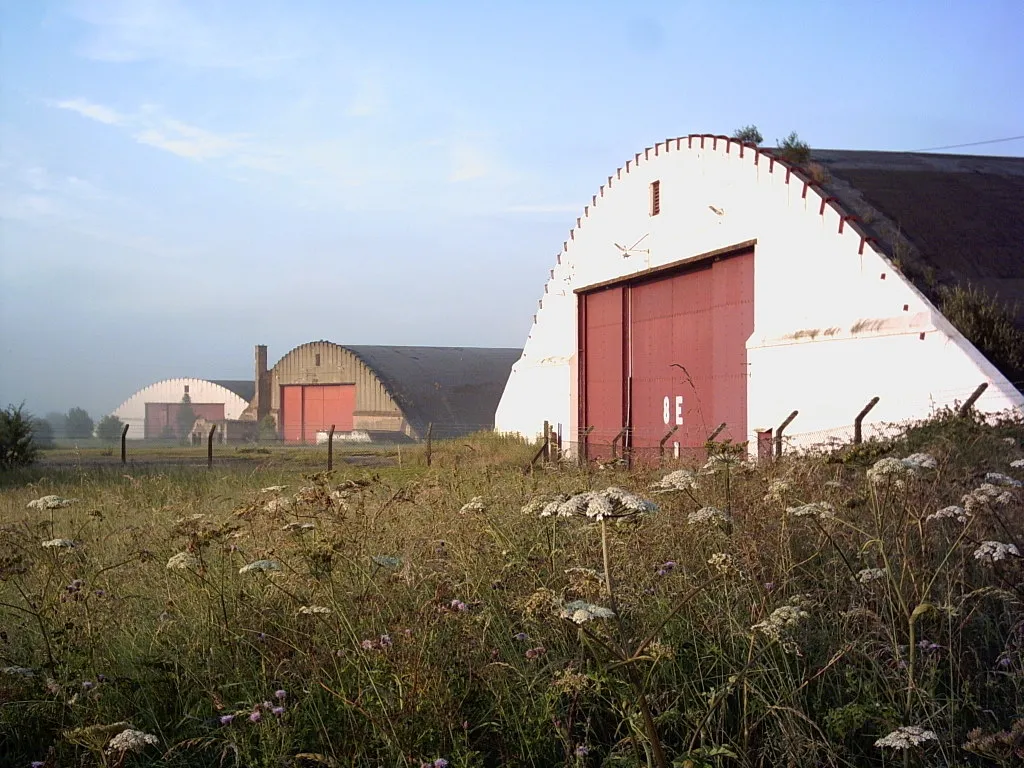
x=79 y=424
x=793 y=150
x=186 y=417
x=109 y=429
x=17 y=448
x=42 y=433
x=748 y=134
x=59 y=423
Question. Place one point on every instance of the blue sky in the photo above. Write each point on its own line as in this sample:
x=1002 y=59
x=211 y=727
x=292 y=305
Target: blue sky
x=180 y=181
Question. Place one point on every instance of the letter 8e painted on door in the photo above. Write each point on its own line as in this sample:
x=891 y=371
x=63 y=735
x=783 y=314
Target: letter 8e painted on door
x=667 y=410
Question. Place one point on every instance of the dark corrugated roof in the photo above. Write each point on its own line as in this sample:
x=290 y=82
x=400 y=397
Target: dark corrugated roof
x=948 y=219
x=244 y=389
x=454 y=388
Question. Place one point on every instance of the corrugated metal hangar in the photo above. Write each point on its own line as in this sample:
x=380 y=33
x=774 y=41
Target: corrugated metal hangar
x=381 y=391
x=153 y=412
x=709 y=283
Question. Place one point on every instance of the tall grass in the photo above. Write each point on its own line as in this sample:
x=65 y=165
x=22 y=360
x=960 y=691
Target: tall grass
x=790 y=613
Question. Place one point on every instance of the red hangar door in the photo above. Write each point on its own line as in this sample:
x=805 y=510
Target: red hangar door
x=310 y=408
x=663 y=350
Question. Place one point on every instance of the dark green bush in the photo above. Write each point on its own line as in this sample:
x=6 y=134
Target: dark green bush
x=17 y=448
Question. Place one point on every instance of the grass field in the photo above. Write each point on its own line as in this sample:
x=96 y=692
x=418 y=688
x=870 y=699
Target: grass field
x=863 y=609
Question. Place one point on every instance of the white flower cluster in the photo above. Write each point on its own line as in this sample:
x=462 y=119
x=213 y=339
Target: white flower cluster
x=581 y=612
x=990 y=552
x=387 y=561
x=906 y=737
x=722 y=562
x=919 y=462
x=679 y=480
x=706 y=515
x=18 y=671
x=130 y=740
x=261 y=566
x=998 y=478
x=819 y=509
x=50 y=502
x=888 y=470
x=598 y=505
x=1018 y=464
x=986 y=495
x=782 y=620
x=866 y=575
x=183 y=561
x=474 y=505
x=312 y=610
x=277 y=505
x=294 y=526
x=273 y=489
x=952 y=512
x=777 y=490
x=58 y=544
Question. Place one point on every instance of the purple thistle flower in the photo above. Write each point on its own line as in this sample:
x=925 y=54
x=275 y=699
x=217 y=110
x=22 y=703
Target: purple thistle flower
x=385 y=641
x=1005 y=661
x=662 y=572
x=582 y=750
x=226 y=719
x=101 y=678
x=277 y=711
x=440 y=763
x=255 y=716
x=520 y=636
x=88 y=685
x=281 y=694
x=37 y=764
x=458 y=605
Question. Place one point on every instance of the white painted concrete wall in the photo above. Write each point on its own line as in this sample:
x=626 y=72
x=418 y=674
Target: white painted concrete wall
x=133 y=410
x=829 y=332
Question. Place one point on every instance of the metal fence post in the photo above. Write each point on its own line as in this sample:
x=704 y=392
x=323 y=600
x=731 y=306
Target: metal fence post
x=209 y=446
x=615 y=442
x=716 y=433
x=124 y=447
x=430 y=430
x=582 y=449
x=970 y=401
x=330 y=449
x=780 y=430
x=547 y=442
x=661 y=444
x=857 y=434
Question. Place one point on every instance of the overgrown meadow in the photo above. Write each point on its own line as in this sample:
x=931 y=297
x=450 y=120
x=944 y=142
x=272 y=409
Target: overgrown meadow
x=863 y=608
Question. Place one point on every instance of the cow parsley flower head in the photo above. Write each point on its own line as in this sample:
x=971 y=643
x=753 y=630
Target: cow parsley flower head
x=986 y=495
x=679 y=480
x=1018 y=464
x=50 y=502
x=131 y=740
x=722 y=562
x=610 y=503
x=777 y=491
x=821 y=510
x=312 y=610
x=296 y=526
x=998 y=478
x=706 y=515
x=952 y=512
x=260 y=566
x=868 y=575
x=781 y=621
x=917 y=462
x=273 y=489
x=990 y=552
x=889 y=471
x=183 y=561
x=387 y=561
x=906 y=737
x=18 y=671
x=581 y=612
x=58 y=544
x=473 y=506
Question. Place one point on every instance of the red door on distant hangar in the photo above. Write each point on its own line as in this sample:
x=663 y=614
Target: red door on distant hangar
x=667 y=349
x=310 y=408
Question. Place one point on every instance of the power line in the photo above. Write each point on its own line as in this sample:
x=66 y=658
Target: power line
x=969 y=144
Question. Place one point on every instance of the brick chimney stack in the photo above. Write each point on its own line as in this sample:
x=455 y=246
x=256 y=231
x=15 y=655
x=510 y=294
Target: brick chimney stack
x=262 y=382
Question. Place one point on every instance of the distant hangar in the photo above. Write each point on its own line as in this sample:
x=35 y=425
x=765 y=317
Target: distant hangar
x=152 y=413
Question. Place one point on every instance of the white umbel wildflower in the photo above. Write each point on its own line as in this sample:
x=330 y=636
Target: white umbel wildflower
x=819 y=509
x=273 y=489
x=1018 y=464
x=706 y=515
x=990 y=552
x=777 y=491
x=130 y=740
x=889 y=471
x=18 y=671
x=906 y=737
x=867 y=575
x=473 y=506
x=998 y=478
x=952 y=512
x=293 y=526
x=277 y=505
x=58 y=544
x=50 y=502
x=612 y=502
x=780 y=621
x=183 y=561
x=387 y=561
x=581 y=612
x=986 y=495
x=917 y=462
x=679 y=480
x=261 y=566
x=722 y=562
x=312 y=610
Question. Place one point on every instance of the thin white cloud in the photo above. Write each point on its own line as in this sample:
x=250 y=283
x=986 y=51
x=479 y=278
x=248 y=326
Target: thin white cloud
x=95 y=112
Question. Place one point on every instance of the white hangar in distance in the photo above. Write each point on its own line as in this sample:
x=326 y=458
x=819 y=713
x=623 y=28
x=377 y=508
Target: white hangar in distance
x=708 y=282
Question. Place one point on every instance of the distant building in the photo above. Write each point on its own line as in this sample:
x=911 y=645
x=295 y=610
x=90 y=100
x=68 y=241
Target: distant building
x=153 y=412
x=379 y=392
x=710 y=283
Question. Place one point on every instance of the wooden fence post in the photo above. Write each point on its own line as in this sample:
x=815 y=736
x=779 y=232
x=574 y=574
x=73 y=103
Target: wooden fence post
x=970 y=401
x=124 y=448
x=430 y=430
x=330 y=449
x=547 y=442
x=209 y=446
x=858 y=436
x=780 y=430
